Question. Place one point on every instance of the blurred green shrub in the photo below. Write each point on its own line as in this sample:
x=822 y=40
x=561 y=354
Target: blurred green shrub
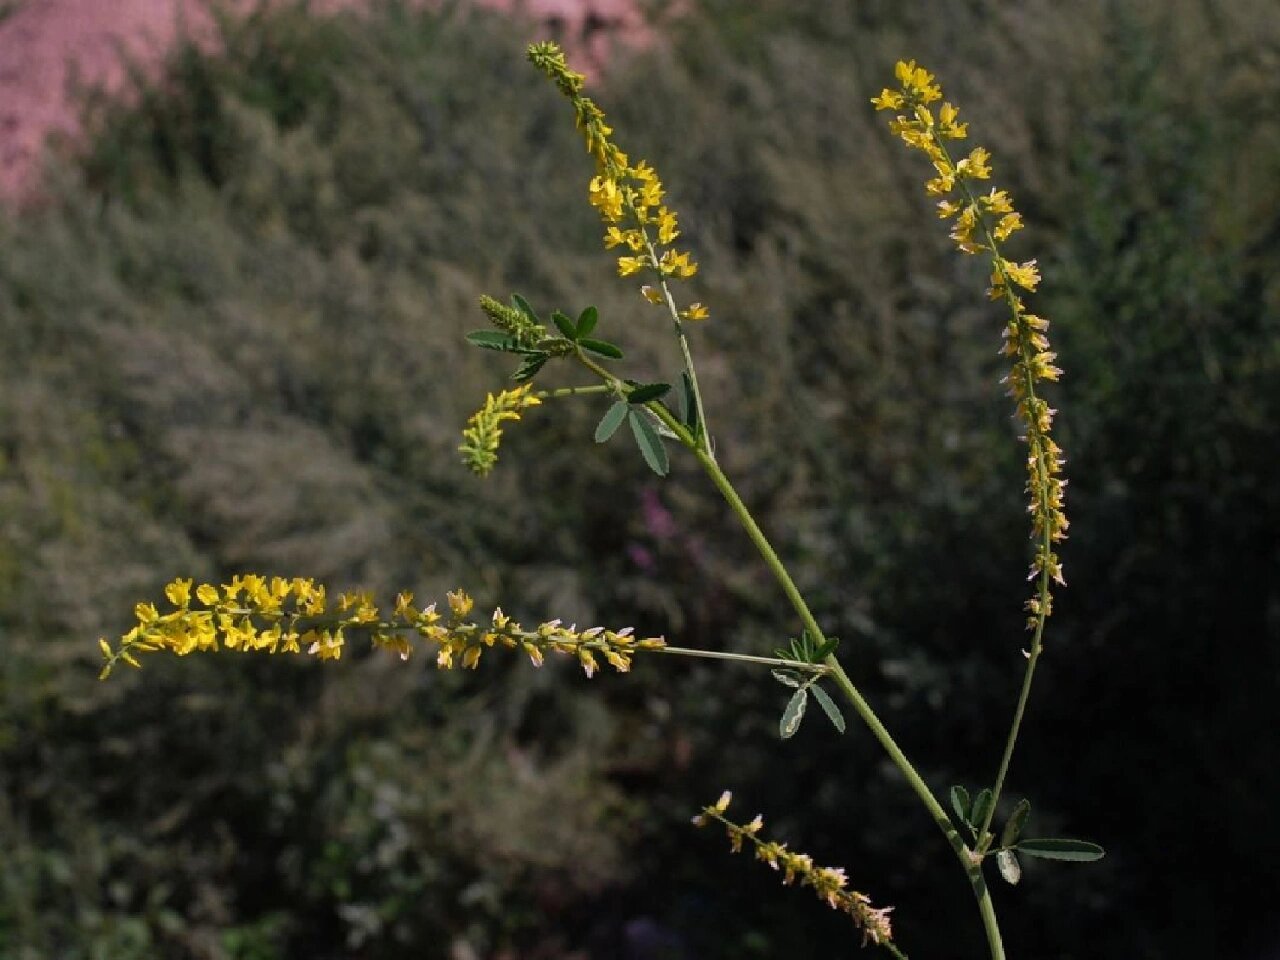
x=232 y=339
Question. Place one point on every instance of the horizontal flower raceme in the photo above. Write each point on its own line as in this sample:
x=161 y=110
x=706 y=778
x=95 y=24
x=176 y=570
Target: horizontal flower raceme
x=629 y=197
x=982 y=221
x=828 y=883
x=277 y=615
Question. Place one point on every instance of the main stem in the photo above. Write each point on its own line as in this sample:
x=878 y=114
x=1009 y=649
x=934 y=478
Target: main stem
x=971 y=862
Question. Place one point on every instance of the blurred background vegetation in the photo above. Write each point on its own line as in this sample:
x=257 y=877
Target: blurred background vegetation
x=233 y=341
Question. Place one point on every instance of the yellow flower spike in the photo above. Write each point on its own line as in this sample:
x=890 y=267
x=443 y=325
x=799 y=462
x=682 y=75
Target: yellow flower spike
x=483 y=432
x=828 y=883
x=975 y=232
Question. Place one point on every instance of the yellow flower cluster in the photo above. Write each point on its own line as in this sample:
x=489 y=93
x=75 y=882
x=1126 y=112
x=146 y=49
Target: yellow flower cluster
x=275 y=615
x=526 y=332
x=828 y=883
x=628 y=197
x=981 y=222
x=483 y=432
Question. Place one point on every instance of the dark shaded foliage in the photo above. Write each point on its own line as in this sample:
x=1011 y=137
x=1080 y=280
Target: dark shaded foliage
x=233 y=339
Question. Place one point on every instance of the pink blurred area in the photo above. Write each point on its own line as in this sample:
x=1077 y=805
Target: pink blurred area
x=46 y=44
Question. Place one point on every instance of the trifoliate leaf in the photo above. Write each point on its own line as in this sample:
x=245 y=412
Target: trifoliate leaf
x=1013 y=826
x=690 y=403
x=650 y=444
x=587 y=322
x=1061 y=849
x=611 y=420
x=529 y=368
x=492 y=340
x=601 y=347
x=1009 y=866
x=825 y=650
x=522 y=305
x=960 y=802
x=829 y=707
x=565 y=325
x=981 y=807
x=794 y=713
x=647 y=391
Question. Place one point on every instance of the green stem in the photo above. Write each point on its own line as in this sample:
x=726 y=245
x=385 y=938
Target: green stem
x=1036 y=440
x=971 y=863
x=572 y=391
x=815 y=668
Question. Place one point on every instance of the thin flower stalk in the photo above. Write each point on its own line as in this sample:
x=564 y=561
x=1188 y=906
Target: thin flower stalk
x=981 y=223
x=829 y=884
x=629 y=199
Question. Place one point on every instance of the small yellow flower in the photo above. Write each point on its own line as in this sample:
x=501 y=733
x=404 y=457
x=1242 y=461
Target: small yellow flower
x=696 y=311
x=629 y=265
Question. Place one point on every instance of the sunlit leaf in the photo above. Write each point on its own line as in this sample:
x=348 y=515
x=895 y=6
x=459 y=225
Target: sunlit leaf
x=794 y=713
x=1009 y=866
x=611 y=420
x=601 y=347
x=565 y=325
x=828 y=707
x=650 y=444
x=587 y=322
x=492 y=340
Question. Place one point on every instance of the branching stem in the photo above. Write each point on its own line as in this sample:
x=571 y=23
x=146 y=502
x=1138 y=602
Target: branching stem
x=969 y=860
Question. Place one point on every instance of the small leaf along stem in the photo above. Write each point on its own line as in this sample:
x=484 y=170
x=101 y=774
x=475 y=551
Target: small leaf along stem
x=971 y=863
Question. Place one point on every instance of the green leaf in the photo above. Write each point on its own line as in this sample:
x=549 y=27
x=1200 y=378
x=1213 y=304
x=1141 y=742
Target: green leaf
x=492 y=340
x=587 y=322
x=529 y=368
x=650 y=444
x=794 y=713
x=1059 y=849
x=522 y=305
x=565 y=325
x=1009 y=866
x=690 y=403
x=601 y=347
x=824 y=651
x=981 y=807
x=611 y=420
x=1013 y=826
x=960 y=802
x=787 y=678
x=648 y=391
x=829 y=707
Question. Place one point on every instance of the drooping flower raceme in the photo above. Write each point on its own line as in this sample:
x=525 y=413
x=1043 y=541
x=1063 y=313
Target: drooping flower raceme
x=629 y=197
x=828 y=883
x=981 y=222
x=277 y=615
x=483 y=432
